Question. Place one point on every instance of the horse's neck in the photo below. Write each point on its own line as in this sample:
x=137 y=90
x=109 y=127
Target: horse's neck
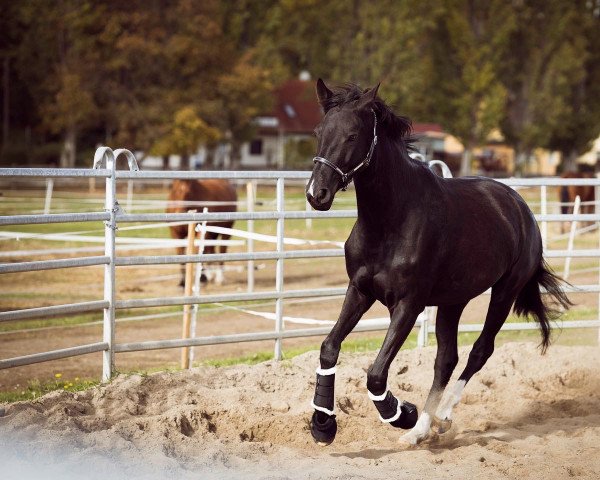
x=389 y=188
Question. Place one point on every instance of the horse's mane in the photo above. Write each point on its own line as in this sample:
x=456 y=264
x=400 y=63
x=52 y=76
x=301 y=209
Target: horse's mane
x=395 y=126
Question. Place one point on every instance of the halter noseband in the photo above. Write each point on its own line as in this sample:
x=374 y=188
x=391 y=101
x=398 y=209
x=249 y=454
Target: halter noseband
x=347 y=177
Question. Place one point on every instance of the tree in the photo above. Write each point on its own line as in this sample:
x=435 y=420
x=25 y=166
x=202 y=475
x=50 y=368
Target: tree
x=545 y=79
x=471 y=39
x=188 y=131
x=580 y=120
x=244 y=93
x=62 y=36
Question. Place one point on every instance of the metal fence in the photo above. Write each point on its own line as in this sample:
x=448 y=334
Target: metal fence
x=113 y=215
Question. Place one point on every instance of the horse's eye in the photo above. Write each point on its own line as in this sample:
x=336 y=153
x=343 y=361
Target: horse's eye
x=352 y=137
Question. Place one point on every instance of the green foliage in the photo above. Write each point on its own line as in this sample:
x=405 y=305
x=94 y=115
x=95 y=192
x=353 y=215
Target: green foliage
x=187 y=132
x=298 y=153
x=156 y=75
x=551 y=85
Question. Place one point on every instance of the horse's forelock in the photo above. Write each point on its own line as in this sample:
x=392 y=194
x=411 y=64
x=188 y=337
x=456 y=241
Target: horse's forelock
x=396 y=126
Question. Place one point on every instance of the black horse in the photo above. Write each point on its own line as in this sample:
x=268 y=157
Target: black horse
x=419 y=240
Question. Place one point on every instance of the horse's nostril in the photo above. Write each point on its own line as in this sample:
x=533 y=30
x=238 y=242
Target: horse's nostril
x=322 y=195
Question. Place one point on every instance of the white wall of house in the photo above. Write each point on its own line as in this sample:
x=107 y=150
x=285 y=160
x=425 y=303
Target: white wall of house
x=593 y=155
x=266 y=155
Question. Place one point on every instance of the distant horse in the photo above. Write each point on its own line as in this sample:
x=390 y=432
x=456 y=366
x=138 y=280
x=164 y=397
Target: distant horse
x=568 y=193
x=419 y=240
x=209 y=190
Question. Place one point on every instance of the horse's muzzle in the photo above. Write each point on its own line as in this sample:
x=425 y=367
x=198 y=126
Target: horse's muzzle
x=320 y=199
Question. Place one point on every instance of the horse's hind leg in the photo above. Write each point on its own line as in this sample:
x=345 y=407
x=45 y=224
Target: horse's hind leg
x=446 y=332
x=499 y=308
x=220 y=273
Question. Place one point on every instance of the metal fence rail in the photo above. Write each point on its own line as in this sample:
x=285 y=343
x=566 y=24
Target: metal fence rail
x=105 y=167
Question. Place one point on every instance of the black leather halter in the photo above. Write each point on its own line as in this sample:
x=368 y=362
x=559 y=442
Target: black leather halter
x=347 y=177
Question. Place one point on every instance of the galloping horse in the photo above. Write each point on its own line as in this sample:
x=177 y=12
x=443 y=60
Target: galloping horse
x=185 y=194
x=568 y=193
x=419 y=240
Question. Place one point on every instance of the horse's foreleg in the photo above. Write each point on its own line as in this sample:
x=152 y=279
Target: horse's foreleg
x=446 y=332
x=323 y=425
x=399 y=414
x=208 y=273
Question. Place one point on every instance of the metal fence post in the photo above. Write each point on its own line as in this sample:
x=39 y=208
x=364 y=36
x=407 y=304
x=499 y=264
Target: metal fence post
x=48 y=200
x=544 y=211
x=279 y=325
x=250 y=200
x=571 y=241
x=308 y=208
x=110 y=227
x=596 y=210
x=129 y=195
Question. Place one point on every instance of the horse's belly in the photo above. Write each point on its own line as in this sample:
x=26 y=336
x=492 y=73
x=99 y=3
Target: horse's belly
x=462 y=286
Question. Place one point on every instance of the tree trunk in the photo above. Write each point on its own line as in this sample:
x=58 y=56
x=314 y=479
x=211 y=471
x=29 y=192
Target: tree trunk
x=185 y=162
x=570 y=161
x=165 y=161
x=521 y=161
x=6 y=102
x=236 y=155
x=465 y=162
x=209 y=159
x=67 y=157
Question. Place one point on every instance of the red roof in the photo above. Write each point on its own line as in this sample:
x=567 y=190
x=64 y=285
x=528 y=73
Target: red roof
x=296 y=106
x=421 y=128
x=297 y=109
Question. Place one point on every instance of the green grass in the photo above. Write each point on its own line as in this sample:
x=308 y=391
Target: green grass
x=36 y=389
x=569 y=337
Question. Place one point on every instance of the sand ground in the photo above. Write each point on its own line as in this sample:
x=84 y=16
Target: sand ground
x=524 y=416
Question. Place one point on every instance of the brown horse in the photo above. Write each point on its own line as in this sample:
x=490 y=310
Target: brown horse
x=209 y=190
x=568 y=193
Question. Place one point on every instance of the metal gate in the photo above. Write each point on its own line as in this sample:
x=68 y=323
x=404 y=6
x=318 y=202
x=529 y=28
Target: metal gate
x=113 y=215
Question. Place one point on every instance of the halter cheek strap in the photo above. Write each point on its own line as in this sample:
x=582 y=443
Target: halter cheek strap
x=347 y=177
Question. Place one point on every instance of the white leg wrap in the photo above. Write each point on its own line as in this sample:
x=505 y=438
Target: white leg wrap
x=395 y=417
x=381 y=398
x=377 y=398
x=444 y=411
x=321 y=409
x=326 y=371
x=324 y=390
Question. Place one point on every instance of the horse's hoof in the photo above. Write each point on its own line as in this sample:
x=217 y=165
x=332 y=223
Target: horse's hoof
x=440 y=426
x=408 y=418
x=323 y=428
x=203 y=278
x=181 y=283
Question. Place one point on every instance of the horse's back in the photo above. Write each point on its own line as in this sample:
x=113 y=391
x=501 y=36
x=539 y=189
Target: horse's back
x=201 y=190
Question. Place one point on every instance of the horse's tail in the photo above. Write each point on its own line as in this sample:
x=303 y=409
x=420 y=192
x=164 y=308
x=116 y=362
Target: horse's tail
x=529 y=301
x=564 y=200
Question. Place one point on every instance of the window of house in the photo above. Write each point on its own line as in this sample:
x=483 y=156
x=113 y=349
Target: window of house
x=256 y=147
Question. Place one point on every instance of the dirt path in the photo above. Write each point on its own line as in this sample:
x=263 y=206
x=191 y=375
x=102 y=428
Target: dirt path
x=523 y=416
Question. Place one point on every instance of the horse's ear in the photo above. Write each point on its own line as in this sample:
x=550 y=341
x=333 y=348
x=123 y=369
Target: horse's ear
x=323 y=93
x=366 y=100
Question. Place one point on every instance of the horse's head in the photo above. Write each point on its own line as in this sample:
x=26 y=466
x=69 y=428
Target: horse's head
x=346 y=138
